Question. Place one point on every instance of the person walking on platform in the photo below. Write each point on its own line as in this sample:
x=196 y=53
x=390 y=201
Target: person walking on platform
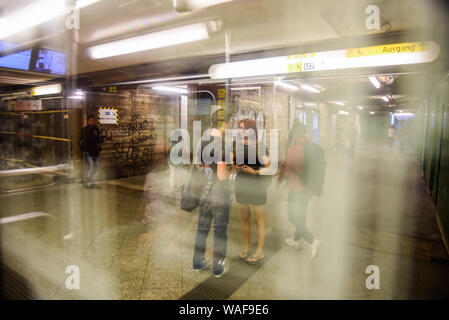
x=391 y=136
x=215 y=205
x=90 y=146
x=304 y=169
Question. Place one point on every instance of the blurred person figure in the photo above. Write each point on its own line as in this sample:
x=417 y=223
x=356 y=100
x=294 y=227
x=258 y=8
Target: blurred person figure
x=176 y=171
x=214 y=205
x=290 y=134
x=350 y=139
x=402 y=137
x=90 y=146
x=391 y=136
x=251 y=189
x=304 y=170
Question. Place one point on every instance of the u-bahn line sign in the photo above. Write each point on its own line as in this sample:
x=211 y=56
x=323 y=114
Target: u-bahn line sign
x=372 y=56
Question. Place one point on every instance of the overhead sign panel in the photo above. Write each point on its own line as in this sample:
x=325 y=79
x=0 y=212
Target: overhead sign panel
x=372 y=56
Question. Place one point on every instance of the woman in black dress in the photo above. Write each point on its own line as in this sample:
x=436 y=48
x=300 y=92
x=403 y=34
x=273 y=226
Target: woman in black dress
x=251 y=190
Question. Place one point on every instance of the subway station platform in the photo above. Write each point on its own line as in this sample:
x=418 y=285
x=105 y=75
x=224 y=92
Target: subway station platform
x=130 y=240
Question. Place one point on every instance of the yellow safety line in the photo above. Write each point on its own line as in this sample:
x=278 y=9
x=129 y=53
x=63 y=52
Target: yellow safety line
x=18 y=113
x=11 y=160
x=52 y=138
x=40 y=137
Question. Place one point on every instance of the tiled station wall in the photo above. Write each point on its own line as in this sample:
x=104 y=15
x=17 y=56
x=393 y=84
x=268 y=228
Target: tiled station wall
x=275 y=107
x=139 y=141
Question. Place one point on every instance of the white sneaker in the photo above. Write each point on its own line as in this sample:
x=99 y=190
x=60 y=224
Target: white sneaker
x=225 y=268
x=315 y=247
x=294 y=243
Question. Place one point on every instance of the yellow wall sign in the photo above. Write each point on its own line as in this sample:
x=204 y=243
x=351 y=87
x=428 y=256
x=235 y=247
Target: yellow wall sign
x=294 y=67
x=107 y=115
x=406 y=47
x=221 y=93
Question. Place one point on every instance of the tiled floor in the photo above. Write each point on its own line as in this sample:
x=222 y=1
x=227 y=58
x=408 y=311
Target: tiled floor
x=130 y=241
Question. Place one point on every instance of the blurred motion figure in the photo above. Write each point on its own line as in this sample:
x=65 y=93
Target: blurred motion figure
x=90 y=146
x=304 y=169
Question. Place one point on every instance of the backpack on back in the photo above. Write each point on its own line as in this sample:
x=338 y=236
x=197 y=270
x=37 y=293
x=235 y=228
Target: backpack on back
x=314 y=168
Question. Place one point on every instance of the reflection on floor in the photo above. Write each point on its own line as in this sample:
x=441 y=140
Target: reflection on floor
x=130 y=241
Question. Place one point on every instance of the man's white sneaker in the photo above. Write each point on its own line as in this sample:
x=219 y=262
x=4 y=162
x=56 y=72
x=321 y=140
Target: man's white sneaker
x=294 y=243
x=315 y=247
x=221 y=269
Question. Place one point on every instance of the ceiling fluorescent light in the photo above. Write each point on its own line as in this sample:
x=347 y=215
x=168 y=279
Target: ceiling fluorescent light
x=79 y=95
x=373 y=56
x=343 y=112
x=372 y=112
x=35 y=14
x=375 y=82
x=192 y=5
x=286 y=85
x=339 y=103
x=404 y=114
x=310 y=88
x=360 y=107
x=245 y=88
x=385 y=98
x=171 y=89
x=46 y=90
x=30 y=16
x=190 y=33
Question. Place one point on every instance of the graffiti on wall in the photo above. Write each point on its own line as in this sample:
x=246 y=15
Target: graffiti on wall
x=105 y=134
x=130 y=157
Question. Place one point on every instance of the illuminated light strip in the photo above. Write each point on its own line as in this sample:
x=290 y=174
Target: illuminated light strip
x=165 y=38
x=286 y=85
x=405 y=114
x=24 y=216
x=245 y=88
x=374 y=56
x=310 y=88
x=46 y=90
x=171 y=89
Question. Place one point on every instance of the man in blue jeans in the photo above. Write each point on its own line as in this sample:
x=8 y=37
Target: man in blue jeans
x=90 y=146
x=215 y=205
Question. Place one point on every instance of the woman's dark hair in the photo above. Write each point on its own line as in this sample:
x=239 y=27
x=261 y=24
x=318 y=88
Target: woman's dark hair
x=90 y=117
x=249 y=124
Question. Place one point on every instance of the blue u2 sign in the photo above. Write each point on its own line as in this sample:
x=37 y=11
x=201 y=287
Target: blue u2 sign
x=309 y=66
